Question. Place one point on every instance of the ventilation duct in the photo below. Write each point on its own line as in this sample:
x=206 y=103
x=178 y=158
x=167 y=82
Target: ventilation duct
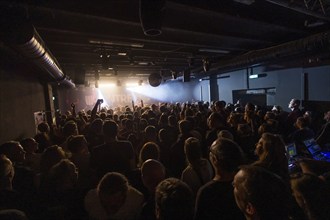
x=23 y=38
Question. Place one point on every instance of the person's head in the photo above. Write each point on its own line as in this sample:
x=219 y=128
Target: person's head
x=151 y=132
x=62 y=176
x=172 y=121
x=214 y=120
x=294 y=104
x=192 y=149
x=185 y=127
x=244 y=130
x=77 y=144
x=174 y=200
x=164 y=135
x=249 y=107
x=13 y=150
x=112 y=191
x=312 y=195
x=70 y=128
x=110 y=129
x=150 y=150
x=301 y=123
x=51 y=156
x=43 y=127
x=96 y=126
x=6 y=172
x=152 y=173
x=226 y=155
x=29 y=145
x=270 y=148
x=261 y=194
x=226 y=134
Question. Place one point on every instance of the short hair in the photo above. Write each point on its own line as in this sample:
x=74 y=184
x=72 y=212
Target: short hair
x=192 y=149
x=174 y=200
x=59 y=173
x=70 y=128
x=150 y=150
x=75 y=143
x=228 y=154
x=28 y=144
x=152 y=172
x=185 y=126
x=110 y=128
x=112 y=183
x=8 y=149
x=43 y=127
x=266 y=191
x=51 y=156
x=225 y=134
x=150 y=130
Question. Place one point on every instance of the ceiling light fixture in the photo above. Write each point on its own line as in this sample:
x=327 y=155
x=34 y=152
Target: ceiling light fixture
x=117 y=43
x=213 y=50
x=255 y=76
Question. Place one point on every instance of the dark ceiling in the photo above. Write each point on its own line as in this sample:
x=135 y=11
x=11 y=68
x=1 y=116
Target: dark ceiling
x=78 y=33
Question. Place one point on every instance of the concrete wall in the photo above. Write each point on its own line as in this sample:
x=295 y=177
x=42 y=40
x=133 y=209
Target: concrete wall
x=20 y=97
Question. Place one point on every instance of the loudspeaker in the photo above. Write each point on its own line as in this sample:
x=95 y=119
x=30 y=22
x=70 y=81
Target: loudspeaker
x=186 y=75
x=151 y=16
x=79 y=75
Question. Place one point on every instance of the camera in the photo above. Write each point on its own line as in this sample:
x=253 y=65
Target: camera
x=100 y=100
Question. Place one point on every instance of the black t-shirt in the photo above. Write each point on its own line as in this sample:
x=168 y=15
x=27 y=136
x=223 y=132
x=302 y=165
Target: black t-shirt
x=112 y=157
x=215 y=200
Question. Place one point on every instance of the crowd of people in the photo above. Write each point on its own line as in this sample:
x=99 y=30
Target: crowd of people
x=168 y=161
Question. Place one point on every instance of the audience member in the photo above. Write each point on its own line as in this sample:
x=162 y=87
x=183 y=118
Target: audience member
x=174 y=200
x=114 y=198
x=114 y=155
x=80 y=156
x=215 y=200
x=312 y=195
x=199 y=170
x=272 y=155
x=32 y=159
x=261 y=194
x=152 y=173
